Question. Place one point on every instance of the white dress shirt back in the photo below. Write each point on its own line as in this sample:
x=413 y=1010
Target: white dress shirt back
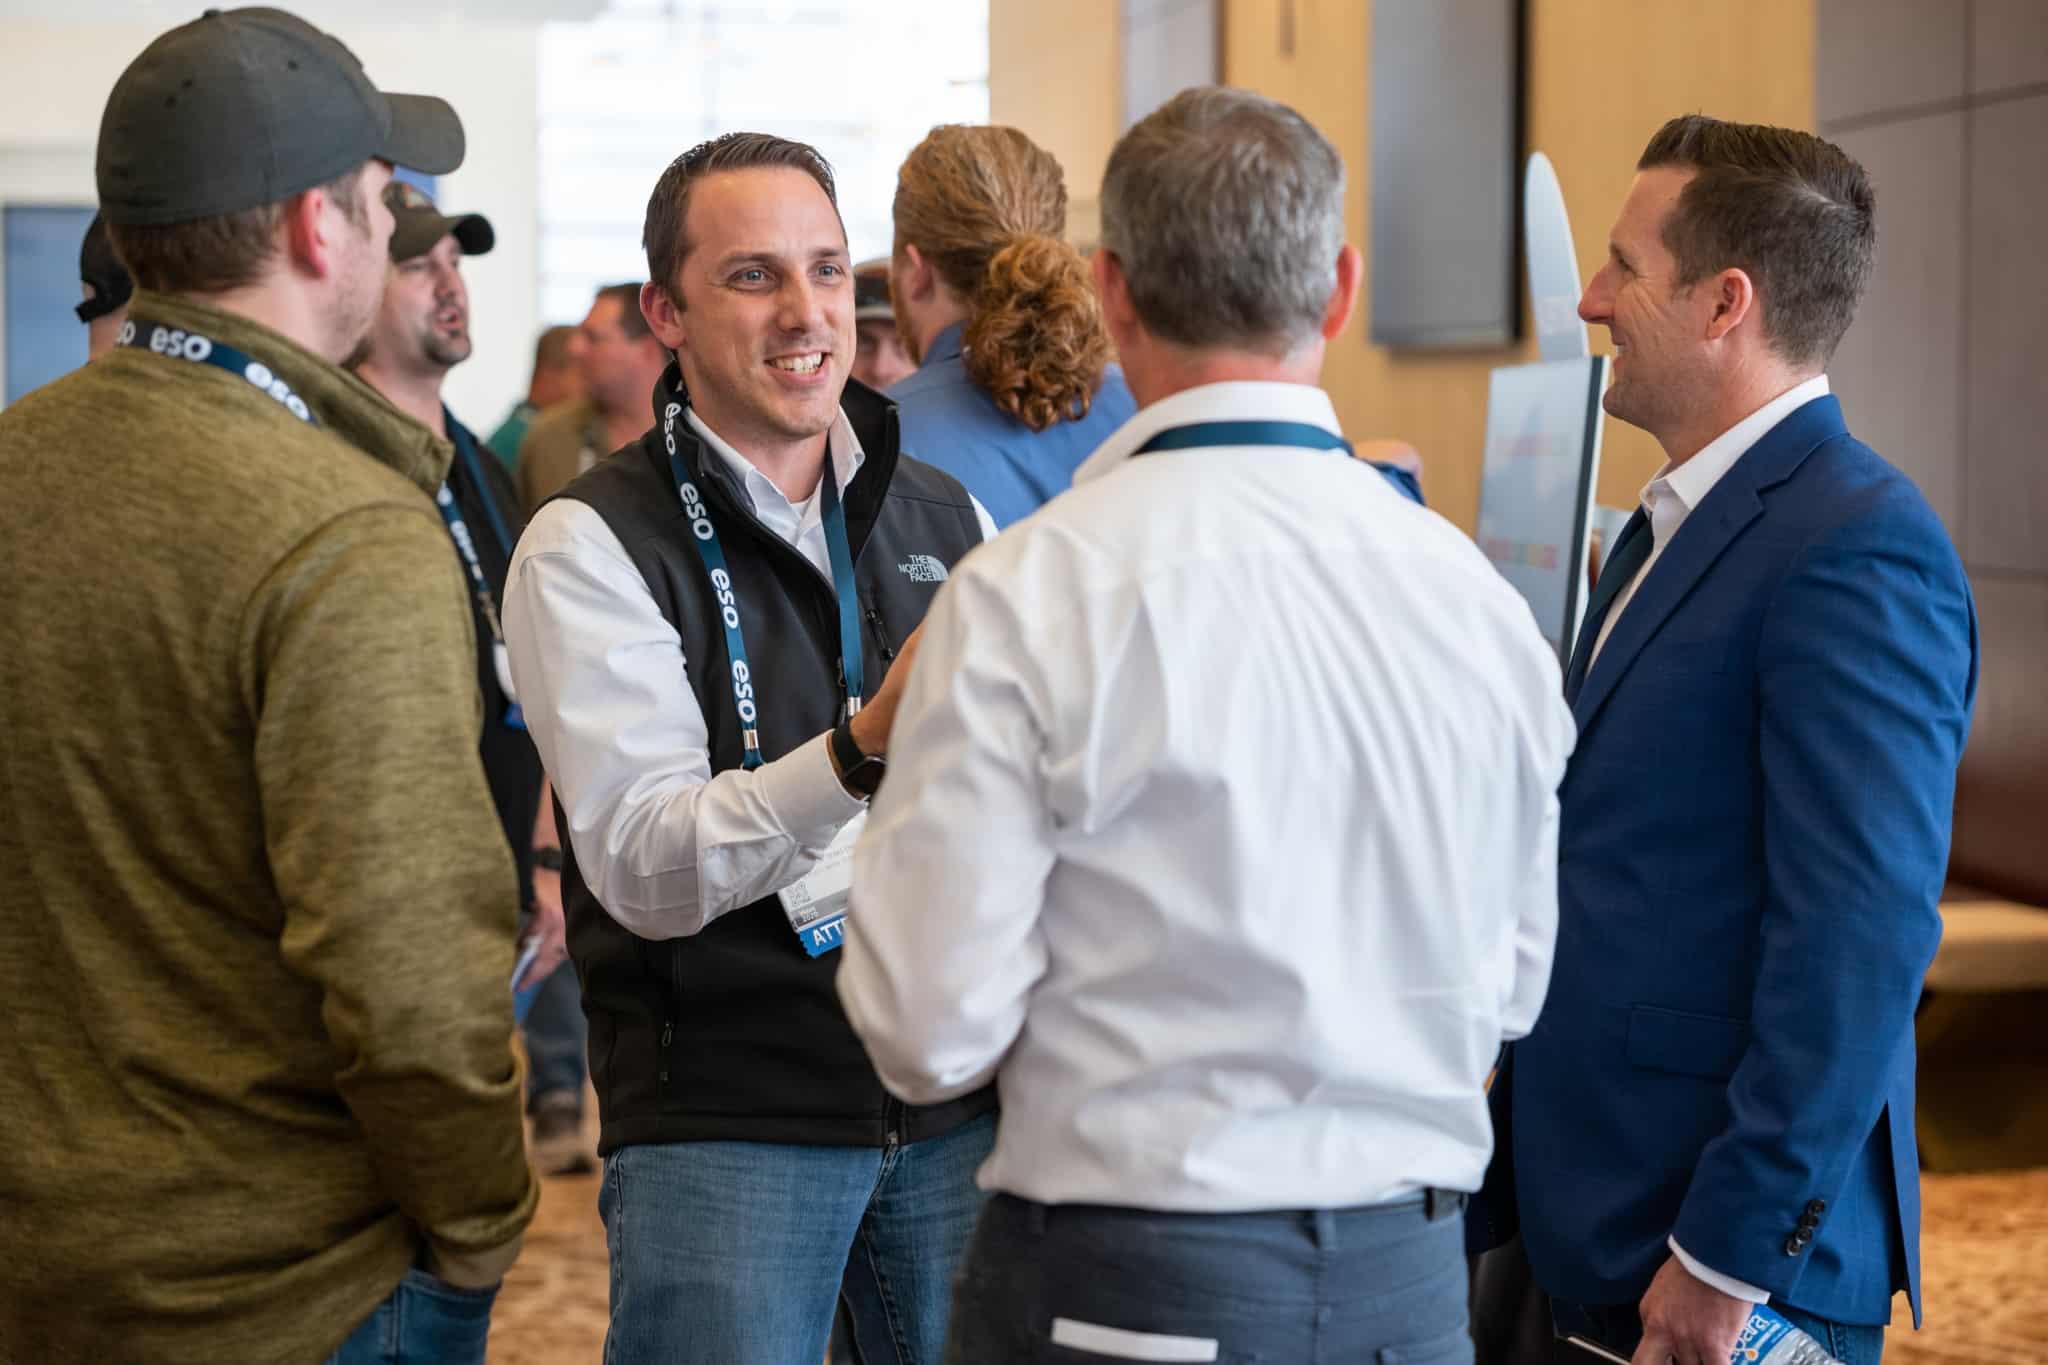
x=1221 y=825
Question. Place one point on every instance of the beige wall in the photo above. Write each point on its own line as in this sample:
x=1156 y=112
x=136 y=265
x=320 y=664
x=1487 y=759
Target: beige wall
x=1052 y=71
x=1602 y=74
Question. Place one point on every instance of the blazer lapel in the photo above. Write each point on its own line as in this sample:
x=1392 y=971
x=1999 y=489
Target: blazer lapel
x=1707 y=533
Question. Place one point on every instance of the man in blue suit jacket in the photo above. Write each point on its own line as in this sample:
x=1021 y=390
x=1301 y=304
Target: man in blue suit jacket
x=1772 y=685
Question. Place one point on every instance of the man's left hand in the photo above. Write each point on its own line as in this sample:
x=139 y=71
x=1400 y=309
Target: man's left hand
x=1688 y=1320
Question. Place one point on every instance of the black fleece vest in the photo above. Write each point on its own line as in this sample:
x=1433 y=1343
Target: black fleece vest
x=733 y=1033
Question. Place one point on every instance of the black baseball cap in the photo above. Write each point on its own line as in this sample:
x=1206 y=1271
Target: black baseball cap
x=99 y=267
x=420 y=225
x=247 y=107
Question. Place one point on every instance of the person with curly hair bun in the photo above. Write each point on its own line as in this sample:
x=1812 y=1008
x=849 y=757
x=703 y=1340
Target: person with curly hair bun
x=1014 y=386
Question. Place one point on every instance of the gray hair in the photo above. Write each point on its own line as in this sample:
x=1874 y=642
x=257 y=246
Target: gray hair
x=1226 y=211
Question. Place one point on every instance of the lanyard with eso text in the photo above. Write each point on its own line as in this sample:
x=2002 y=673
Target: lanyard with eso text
x=182 y=344
x=704 y=536
x=487 y=607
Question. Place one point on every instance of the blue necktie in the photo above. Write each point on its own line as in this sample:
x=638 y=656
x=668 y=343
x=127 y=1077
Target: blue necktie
x=1631 y=551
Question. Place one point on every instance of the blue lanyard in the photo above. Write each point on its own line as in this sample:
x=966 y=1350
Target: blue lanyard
x=1303 y=434
x=1199 y=434
x=182 y=344
x=704 y=536
x=465 y=449
x=487 y=607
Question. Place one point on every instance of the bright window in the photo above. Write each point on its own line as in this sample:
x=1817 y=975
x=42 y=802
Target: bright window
x=624 y=94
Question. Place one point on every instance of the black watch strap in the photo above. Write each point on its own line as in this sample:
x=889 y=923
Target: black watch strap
x=548 y=856
x=860 y=772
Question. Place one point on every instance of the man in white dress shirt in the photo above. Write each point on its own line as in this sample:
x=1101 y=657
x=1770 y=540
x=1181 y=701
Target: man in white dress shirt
x=694 y=625
x=1222 y=824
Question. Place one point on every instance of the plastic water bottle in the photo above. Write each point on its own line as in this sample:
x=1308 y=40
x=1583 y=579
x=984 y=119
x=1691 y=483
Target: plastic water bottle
x=1767 y=1339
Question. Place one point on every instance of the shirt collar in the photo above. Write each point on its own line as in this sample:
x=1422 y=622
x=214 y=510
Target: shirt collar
x=840 y=442
x=949 y=344
x=1692 y=481
x=1235 y=401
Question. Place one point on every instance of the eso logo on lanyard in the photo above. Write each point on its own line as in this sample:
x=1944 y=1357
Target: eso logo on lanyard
x=180 y=344
x=465 y=545
x=816 y=905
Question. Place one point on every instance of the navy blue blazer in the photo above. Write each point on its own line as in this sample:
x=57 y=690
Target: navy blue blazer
x=1754 y=834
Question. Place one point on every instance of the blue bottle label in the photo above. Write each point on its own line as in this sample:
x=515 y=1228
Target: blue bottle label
x=1764 y=1330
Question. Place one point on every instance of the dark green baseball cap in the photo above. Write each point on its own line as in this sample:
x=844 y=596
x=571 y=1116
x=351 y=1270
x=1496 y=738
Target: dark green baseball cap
x=417 y=225
x=247 y=107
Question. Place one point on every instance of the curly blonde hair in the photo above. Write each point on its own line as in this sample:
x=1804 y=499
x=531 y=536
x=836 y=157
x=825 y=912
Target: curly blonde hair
x=987 y=207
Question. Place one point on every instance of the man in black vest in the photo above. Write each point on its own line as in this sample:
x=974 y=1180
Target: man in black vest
x=694 y=627
x=420 y=334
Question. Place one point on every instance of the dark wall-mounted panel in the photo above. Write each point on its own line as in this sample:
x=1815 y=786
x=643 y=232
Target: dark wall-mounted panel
x=1446 y=104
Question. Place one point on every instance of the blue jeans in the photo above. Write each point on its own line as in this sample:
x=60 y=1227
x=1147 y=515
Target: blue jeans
x=1619 y=1328
x=1077 y=1283
x=556 y=1036
x=736 y=1253
x=425 y=1321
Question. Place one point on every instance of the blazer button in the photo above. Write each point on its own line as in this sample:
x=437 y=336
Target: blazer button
x=1808 y=1222
x=1793 y=1246
x=1816 y=1207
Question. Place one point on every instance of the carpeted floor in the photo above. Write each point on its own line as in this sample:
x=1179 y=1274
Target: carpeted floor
x=1984 y=1247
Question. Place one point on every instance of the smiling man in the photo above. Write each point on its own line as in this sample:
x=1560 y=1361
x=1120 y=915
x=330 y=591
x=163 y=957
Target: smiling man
x=1772 y=687
x=694 y=625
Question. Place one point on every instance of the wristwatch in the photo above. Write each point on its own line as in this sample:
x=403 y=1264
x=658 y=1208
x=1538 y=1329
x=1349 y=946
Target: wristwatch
x=859 y=773
x=548 y=856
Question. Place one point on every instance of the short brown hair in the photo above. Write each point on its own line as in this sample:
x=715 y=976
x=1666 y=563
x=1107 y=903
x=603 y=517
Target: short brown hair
x=988 y=207
x=667 y=208
x=632 y=322
x=1796 y=212
x=211 y=255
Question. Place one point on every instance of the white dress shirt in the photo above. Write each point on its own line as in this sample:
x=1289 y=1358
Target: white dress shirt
x=1668 y=500
x=1221 y=826
x=664 y=845
x=1671 y=497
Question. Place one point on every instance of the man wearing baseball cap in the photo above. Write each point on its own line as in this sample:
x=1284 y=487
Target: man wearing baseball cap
x=879 y=356
x=421 y=333
x=106 y=287
x=260 y=1096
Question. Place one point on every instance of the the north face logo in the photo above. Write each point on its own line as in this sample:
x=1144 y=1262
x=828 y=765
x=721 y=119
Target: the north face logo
x=923 y=569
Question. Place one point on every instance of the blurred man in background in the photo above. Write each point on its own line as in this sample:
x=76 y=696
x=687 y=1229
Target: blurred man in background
x=557 y=378
x=620 y=360
x=879 y=358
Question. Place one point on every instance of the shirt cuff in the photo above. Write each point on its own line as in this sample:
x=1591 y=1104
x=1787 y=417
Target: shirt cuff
x=803 y=790
x=1727 y=1284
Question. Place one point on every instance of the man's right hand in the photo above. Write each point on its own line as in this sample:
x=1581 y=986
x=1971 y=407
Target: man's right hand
x=872 y=724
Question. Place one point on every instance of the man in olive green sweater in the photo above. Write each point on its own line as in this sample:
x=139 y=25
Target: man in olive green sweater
x=257 y=1095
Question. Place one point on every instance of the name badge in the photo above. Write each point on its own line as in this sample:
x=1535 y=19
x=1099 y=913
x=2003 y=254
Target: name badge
x=816 y=906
